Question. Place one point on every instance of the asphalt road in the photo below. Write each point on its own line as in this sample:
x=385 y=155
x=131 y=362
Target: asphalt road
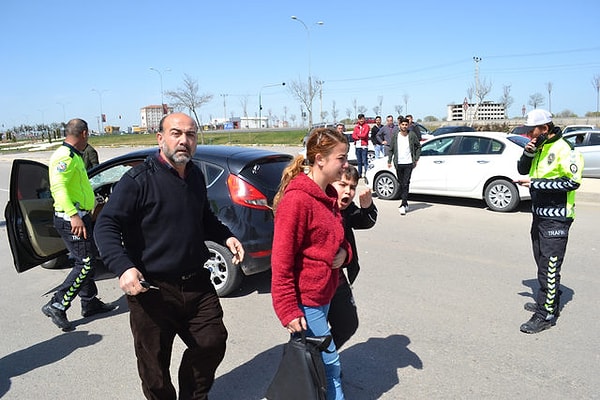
x=440 y=298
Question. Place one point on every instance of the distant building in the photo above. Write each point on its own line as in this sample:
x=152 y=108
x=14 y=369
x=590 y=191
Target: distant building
x=487 y=111
x=150 y=116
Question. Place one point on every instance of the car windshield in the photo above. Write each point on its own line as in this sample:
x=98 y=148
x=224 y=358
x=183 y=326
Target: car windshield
x=519 y=140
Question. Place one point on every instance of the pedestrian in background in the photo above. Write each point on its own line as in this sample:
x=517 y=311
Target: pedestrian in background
x=90 y=157
x=360 y=135
x=74 y=202
x=554 y=169
x=385 y=134
x=405 y=150
x=309 y=245
x=343 y=317
x=413 y=127
x=377 y=145
x=151 y=234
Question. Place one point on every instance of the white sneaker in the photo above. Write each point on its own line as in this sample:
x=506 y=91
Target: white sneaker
x=402 y=210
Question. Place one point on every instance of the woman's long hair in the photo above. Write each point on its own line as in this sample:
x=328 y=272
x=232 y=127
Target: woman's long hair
x=320 y=140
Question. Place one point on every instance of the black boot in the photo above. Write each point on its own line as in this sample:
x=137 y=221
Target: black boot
x=537 y=324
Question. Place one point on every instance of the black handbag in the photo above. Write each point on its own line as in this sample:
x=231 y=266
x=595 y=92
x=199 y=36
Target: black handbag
x=301 y=372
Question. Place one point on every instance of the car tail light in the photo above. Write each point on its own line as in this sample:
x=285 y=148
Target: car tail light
x=245 y=194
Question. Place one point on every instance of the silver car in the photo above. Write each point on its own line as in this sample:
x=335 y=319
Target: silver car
x=588 y=144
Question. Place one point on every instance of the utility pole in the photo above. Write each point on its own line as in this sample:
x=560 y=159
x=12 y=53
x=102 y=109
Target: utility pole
x=476 y=59
x=320 y=83
x=224 y=95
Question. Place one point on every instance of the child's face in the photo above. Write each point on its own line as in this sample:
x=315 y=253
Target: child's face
x=346 y=189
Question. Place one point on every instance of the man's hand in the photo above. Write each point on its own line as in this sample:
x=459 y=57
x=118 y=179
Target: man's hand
x=129 y=282
x=523 y=182
x=236 y=248
x=78 y=227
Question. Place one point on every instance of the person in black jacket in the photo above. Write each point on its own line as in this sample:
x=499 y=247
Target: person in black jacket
x=151 y=234
x=343 y=317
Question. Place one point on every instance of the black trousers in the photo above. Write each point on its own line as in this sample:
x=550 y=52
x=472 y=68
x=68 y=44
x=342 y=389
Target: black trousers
x=343 y=316
x=187 y=308
x=80 y=280
x=403 y=172
x=549 y=242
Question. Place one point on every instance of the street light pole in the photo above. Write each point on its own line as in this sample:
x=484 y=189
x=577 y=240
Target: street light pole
x=310 y=88
x=64 y=113
x=260 y=102
x=101 y=119
x=162 y=102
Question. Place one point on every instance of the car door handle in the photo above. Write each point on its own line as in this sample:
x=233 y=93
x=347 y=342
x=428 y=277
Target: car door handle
x=482 y=161
x=438 y=162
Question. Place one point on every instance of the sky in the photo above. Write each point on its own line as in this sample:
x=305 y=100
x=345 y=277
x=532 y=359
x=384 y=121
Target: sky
x=66 y=59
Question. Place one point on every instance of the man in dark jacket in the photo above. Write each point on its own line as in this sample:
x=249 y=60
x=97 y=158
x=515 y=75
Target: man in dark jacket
x=342 y=316
x=384 y=135
x=151 y=234
x=405 y=150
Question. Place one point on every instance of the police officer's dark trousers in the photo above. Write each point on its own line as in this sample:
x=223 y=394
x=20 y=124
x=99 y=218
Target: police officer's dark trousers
x=80 y=280
x=549 y=242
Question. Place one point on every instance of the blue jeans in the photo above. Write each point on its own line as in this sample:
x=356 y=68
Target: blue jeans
x=379 y=151
x=361 y=159
x=316 y=319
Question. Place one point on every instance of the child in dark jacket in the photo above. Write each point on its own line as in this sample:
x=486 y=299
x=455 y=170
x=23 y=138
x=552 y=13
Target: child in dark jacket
x=343 y=317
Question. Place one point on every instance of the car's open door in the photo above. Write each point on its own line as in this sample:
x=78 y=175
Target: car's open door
x=29 y=216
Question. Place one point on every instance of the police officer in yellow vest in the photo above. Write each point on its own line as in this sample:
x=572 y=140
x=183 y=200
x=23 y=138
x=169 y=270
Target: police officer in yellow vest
x=73 y=203
x=554 y=169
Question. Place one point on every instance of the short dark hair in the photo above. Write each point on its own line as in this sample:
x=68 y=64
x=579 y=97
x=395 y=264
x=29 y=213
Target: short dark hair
x=361 y=116
x=351 y=173
x=76 y=127
x=404 y=120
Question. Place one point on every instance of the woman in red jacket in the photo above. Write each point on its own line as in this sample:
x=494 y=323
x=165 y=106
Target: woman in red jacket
x=309 y=244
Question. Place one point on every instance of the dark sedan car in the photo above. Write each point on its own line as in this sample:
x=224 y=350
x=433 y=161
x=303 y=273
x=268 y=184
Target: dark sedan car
x=241 y=184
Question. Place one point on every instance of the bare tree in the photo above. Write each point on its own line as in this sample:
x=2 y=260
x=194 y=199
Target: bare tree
x=293 y=119
x=398 y=108
x=376 y=110
x=285 y=110
x=470 y=91
x=348 y=112
x=188 y=98
x=362 y=110
x=481 y=91
x=324 y=115
x=244 y=104
x=535 y=100
x=305 y=95
x=506 y=99
x=334 y=112
x=549 y=89
x=355 y=106
x=405 y=97
x=596 y=85
x=379 y=104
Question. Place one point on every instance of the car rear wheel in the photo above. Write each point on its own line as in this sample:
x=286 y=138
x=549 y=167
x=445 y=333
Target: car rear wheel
x=501 y=195
x=224 y=275
x=386 y=186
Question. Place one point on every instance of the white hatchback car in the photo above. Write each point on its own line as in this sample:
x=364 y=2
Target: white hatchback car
x=478 y=165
